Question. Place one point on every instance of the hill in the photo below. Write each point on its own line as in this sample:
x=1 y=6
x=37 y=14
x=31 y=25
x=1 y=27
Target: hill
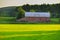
x=8 y=11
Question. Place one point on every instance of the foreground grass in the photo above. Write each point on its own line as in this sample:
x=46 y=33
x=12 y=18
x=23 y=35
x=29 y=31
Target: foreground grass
x=30 y=35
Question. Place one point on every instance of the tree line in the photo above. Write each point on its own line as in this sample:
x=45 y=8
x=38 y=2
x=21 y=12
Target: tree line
x=19 y=11
x=54 y=9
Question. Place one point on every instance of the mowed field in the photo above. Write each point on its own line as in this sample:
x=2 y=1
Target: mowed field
x=29 y=32
x=30 y=35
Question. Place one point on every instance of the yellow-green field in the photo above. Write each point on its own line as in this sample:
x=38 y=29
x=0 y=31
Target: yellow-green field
x=29 y=32
x=28 y=27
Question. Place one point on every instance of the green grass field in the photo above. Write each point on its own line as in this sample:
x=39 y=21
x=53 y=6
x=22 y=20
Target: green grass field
x=12 y=20
x=54 y=20
x=7 y=19
x=30 y=35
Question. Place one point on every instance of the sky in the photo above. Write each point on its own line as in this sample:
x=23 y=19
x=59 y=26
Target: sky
x=5 y=3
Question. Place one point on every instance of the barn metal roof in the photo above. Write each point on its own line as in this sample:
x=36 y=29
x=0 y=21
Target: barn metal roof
x=37 y=14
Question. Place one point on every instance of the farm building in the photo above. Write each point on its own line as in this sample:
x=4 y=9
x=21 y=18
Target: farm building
x=36 y=17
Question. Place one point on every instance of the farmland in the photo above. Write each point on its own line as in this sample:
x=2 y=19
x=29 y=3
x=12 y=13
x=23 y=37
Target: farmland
x=29 y=32
x=10 y=29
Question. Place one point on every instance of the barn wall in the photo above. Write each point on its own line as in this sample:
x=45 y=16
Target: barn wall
x=35 y=19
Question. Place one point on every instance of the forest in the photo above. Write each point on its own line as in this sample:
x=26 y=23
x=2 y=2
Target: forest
x=54 y=9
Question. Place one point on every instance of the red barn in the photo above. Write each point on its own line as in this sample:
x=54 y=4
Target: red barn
x=36 y=17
